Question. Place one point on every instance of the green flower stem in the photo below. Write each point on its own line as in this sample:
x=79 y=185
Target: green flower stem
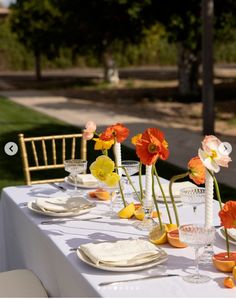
x=173 y=179
x=163 y=194
x=155 y=199
x=105 y=152
x=221 y=206
x=131 y=183
x=140 y=180
x=122 y=194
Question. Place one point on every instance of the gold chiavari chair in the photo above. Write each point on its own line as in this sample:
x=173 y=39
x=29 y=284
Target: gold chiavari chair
x=37 y=148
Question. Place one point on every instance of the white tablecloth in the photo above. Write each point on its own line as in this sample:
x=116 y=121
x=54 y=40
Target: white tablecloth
x=25 y=243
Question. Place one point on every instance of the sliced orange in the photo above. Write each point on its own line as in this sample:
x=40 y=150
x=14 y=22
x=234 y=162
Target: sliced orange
x=127 y=212
x=229 y=283
x=102 y=194
x=173 y=239
x=157 y=235
x=234 y=272
x=92 y=194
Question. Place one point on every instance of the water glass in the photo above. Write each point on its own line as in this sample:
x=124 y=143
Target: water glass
x=74 y=167
x=196 y=236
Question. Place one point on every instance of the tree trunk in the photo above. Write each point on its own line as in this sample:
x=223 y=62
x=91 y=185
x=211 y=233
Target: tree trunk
x=111 y=74
x=188 y=71
x=38 y=71
x=207 y=68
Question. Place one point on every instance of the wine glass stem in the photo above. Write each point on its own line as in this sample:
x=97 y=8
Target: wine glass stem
x=75 y=187
x=196 y=249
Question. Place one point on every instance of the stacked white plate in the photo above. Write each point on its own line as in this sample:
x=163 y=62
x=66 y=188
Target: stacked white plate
x=122 y=255
x=60 y=207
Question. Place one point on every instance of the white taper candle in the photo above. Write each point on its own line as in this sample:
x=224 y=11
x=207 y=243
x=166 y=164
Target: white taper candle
x=209 y=193
x=148 y=185
x=117 y=153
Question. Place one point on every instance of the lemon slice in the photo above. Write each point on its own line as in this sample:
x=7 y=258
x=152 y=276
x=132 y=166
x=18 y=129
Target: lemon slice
x=171 y=226
x=139 y=213
x=158 y=236
x=127 y=212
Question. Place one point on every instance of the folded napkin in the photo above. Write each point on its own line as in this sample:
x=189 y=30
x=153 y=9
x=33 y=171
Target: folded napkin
x=176 y=187
x=232 y=233
x=121 y=253
x=85 y=179
x=59 y=205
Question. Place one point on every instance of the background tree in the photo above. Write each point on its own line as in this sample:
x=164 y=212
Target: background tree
x=97 y=25
x=37 y=24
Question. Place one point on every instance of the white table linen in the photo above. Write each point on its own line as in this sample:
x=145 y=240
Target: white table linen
x=45 y=249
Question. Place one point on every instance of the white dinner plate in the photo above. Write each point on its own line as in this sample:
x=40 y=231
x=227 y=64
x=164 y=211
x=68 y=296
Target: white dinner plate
x=94 y=186
x=33 y=207
x=222 y=234
x=161 y=259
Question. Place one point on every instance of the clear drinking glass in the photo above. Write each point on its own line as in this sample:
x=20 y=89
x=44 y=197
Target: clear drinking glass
x=147 y=224
x=131 y=167
x=74 y=167
x=196 y=236
x=193 y=196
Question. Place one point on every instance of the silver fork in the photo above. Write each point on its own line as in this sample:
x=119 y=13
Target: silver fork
x=61 y=188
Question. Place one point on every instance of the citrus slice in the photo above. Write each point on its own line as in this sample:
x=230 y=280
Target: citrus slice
x=171 y=226
x=127 y=212
x=229 y=283
x=158 y=236
x=173 y=239
x=102 y=194
x=139 y=213
x=234 y=272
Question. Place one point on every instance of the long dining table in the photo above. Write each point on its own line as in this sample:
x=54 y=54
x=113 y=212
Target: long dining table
x=49 y=250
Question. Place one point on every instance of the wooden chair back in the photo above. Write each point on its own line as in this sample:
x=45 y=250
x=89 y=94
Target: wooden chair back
x=39 y=147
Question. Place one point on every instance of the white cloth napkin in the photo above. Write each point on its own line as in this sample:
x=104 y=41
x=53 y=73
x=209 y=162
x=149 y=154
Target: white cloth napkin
x=121 y=253
x=176 y=187
x=61 y=204
x=85 y=179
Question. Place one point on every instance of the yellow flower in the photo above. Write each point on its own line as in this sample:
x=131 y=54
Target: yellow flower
x=112 y=179
x=102 y=144
x=136 y=138
x=102 y=168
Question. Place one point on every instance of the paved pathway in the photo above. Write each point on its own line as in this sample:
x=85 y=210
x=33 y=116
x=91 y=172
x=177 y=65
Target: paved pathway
x=183 y=143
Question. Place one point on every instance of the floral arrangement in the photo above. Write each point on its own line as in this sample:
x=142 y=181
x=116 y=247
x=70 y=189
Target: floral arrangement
x=103 y=168
x=196 y=172
x=151 y=146
x=213 y=158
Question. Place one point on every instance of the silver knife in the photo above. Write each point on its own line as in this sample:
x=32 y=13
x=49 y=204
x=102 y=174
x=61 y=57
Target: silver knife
x=63 y=221
x=102 y=284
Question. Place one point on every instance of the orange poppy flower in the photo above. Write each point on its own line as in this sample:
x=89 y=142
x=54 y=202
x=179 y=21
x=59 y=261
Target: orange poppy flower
x=197 y=171
x=116 y=132
x=228 y=214
x=152 y=146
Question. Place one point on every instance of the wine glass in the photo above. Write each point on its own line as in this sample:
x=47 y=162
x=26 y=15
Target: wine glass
x=130 y=167
x=196 y=236
x=74 y=167
x=192 y=196
x=147 y=224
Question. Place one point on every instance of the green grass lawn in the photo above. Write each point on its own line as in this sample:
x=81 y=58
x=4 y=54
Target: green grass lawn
x=15 y=119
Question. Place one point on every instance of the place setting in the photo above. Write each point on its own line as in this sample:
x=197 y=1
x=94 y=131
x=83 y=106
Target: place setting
x=122 y=255
x=61 y=206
